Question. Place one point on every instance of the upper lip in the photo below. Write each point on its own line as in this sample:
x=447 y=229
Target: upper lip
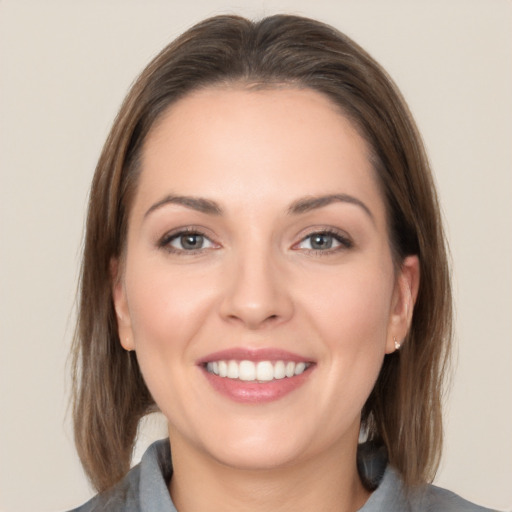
x=249 y=354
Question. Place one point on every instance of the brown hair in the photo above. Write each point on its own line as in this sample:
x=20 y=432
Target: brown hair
x=404 y=409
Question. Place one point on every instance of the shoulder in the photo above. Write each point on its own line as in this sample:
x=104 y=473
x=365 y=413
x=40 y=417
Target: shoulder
x=392 y=494
x=143 y=489
x=122 y=497
x=435 y=499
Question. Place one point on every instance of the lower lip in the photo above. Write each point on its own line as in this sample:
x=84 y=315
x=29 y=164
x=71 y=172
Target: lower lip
x=256 y=392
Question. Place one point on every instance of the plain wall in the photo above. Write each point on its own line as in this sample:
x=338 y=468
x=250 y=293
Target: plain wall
x=65 y=67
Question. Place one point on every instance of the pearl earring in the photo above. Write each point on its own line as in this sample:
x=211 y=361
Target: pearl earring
x=397 y=344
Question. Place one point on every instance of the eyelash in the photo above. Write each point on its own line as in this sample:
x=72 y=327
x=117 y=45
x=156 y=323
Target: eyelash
x=342 y=239
x=167 y=239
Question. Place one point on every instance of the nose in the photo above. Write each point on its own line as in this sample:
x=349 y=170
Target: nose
x=256 y=293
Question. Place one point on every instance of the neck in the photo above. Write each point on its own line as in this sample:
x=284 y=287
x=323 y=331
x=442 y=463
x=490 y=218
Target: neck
x=329 y=482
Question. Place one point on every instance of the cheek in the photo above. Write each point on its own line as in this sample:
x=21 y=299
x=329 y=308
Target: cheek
x=354 y=307
x=167 y=310
x=166 y=306
x=351 y=318
x=171 y=309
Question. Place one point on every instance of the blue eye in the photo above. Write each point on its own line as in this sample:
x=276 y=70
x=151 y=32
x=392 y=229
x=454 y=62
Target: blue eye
x=324 y=241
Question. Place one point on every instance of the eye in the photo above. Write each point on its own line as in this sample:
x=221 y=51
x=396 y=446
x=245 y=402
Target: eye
x=324 y=241
x=187 y=241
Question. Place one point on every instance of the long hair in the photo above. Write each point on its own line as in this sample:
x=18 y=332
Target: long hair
x=403 y=411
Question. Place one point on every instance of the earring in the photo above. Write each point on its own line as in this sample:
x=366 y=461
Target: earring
x=397 y=344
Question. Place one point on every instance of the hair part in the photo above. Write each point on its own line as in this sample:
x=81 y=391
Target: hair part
x=404 y=409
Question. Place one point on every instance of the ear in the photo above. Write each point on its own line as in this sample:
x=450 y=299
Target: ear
x=124 y=326
x=404 y=297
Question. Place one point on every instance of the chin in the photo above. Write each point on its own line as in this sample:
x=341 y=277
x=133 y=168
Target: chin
x=257 y=457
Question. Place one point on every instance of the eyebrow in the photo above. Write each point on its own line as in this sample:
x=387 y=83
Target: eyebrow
x=298 y=207
x=195 y=203
x=312 y=203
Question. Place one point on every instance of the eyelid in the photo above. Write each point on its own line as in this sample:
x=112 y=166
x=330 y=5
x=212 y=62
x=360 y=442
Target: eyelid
x=344 y=240
x=165 y=240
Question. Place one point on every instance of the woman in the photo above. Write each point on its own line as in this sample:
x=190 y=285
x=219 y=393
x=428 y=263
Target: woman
x=265 y=264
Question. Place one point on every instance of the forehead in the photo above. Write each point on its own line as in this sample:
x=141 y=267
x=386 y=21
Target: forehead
x=271 y=146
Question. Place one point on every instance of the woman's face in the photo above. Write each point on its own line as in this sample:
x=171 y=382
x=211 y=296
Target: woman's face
x=258 y=287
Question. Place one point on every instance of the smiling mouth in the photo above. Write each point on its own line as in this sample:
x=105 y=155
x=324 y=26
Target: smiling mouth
x=261 y=371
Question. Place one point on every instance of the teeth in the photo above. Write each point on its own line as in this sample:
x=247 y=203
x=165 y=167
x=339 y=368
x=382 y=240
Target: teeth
x=279 y=370
x=290 y=369
x=262 y=371
x=247 y=370
x=299 y=368
x=223 y=369
x=233 y=370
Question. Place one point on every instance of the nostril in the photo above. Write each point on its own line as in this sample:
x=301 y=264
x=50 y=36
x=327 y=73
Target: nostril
x=256 y=302
x=254 y=321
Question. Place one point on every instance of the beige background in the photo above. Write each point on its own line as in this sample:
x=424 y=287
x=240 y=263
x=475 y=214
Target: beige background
x=65 y=67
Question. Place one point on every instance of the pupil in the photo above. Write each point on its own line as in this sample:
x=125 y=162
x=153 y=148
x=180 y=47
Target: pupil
x=191 y=241
x=321 y=242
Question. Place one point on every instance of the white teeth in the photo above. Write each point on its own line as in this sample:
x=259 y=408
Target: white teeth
x=223 y=369
x=262 y=371
x=233 y=370
x=279 y=370
x=290 y=369
x=299 y=368
x=247 y=370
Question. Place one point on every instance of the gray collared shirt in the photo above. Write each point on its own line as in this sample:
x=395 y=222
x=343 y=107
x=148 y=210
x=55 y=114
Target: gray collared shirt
x=145 y=489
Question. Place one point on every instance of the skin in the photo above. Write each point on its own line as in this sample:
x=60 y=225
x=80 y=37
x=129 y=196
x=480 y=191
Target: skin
x=256 y=283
